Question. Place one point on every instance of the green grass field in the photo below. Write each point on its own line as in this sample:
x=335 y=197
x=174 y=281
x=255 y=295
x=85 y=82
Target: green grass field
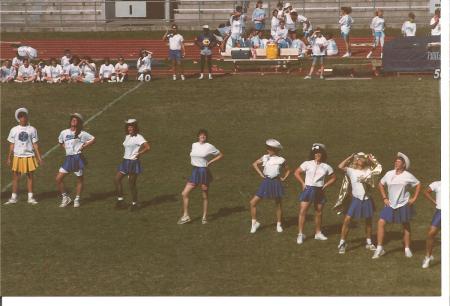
x=97 y=250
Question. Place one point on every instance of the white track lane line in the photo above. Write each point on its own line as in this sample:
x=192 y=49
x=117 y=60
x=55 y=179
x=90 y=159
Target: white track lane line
x=100 y=112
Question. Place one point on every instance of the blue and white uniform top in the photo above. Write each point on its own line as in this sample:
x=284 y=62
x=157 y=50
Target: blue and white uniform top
x=73 y=70
x=377 y=24
x=437 y=30
x=409 y=28
x=106 y=70
x=398 y=185
x=65 y=62
x=8 y=72
x=274 y=26
x=26 y=72
x=17 y=62
x=332 y=48
x=23 y=138
x=175 y=41
x=281 y=33
x=357 y=177
x=89 y=70
x=315 y=173
x=27 y=51
x=436 y=188
x=71 y=144
x=132 y=145
x=258 y=15
x=319 y=45
x=201 y=153
x=144 y=63
x=54 y=71
x=346 y=22
x=237 y=27
x=272 y=165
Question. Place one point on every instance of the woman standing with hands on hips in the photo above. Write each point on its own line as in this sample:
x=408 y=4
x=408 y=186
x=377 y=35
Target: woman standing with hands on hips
x=270 y=187
x=201 y=154
x=397 y=202
x=316 y=170
x=135 y=145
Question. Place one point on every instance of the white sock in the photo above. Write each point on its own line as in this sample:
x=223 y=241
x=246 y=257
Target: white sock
x=253 y=221
x=278 y=223
x=133 y=203
x=30 y=195
x=174 y=75
x=77 y=197
x=368 y=241
x=201 y=75
x=14 y=195
x=209 y=74
x=342 y=241
x=300 y=233
x=119 y=198
x=379 y=247
x=64 y=194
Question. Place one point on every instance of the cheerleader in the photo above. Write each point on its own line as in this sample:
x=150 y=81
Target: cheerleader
x=24 y=149
x=54 y=72
x=270 y=187
x=201 y=154
x=435 y=222
x=135 y=145
x=74 y=140
x=377 y=25
x=89 y=70
x=316 y=170
x=362 y=205
x=397 y=202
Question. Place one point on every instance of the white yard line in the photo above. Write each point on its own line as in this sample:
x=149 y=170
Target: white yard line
x=99 y=113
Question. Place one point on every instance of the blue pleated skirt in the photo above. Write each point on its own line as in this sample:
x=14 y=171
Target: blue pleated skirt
x=73 y=163
x=400 y=215
x=360 y=209
x=130 y=166
x=436 y=221
x=270 y=188
x=200 y=176
x=313 y=195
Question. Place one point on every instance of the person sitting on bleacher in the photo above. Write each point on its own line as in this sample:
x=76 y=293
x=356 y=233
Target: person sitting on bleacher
x=257 y=41
x=54 y=72
x=281 y=36
x=291 y=20
x=259 y=16
x=275 y=22
x=65 y=60
x=307 y=26
x=88 y=70
x=297 y=43
x=409 y=26
x=107 y=71
x=332 y=48
x=73 y=74
x=121 y=69
x=222 y=31
x=39 y=69
x=26 y=72
x=144 y=66
x=7 y=72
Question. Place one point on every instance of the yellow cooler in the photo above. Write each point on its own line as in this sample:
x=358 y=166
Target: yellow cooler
x=272 y=51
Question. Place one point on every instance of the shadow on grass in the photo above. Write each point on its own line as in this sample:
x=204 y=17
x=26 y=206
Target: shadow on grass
x=227 y=211
x=99 y=196
x=161 y=199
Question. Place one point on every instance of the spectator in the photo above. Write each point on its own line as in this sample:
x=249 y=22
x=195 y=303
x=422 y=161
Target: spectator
x=307 y=26
x=275 y=22
x=319 y=47
x=26 y=72
x=237 y=21
x=297 y=44
x=73 y=74
x=176 y=51
x=259 y=16
x=39 y=69
x=281 y=35
x=107 y=72
x=66 y=59
x=88 y=70
x=377 y=25
x=409 y=26
x=280 y=11
x=7 y=72
x=435 y=23
x=291 y=20
x=239 y=11
x=205 y=41
x=144 y=66
x=222 y=31
x=346 y=22
x=121 y=69
x=257 y=41
x=54 y=72
x=332 y=48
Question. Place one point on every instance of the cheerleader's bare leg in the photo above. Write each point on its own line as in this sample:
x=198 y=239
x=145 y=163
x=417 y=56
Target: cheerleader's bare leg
x=380 y=231
x=407 y=234
x=60 y=182
x=185 y=194
x=279 y=203
x=205 y=202
x=432 y=232
x=302 y=216
x=318 y=217
x=118 y=183
x=15 y=181
x=253 y=202
x=345 y=227
x=30 y=182
x=132 y=179
x=369 y=228
x=80 y=183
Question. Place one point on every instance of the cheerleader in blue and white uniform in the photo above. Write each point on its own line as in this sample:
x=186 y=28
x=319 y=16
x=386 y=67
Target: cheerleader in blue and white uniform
x=74 y=140
x=397 y=202
x=435 y=225
x=270 y=187
x=316 y=170
x=203 y=154
x=135 y=145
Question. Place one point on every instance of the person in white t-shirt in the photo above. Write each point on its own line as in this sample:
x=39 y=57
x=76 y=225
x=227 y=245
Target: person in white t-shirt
x=332 y=48
x=398 y=202
x=74 y=141
x=66 y=60
x=73 y=73
x=203 y=154
x=23 y=149
x=298 y=44
x=435 y=225
x=316 y=171
x=275 y=21
x=409 y=26
x=135 y=145
x=346 y=22
x=358 y=170
x=88 y=70
x=25 y=51
x=176 y=51
x=54 y=72
x=435 y=23
x=144 y=66
x=377 y=26
x=121 y=69
x=275 y=171
x=319 y=48
x=8 y=72
x=107 y=72
x=17 y=61
x=26 y=73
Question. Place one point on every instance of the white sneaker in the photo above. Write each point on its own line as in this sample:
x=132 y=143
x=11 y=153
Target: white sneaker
x=182 y=77
x=32 y=201
x=10 y=201
x=321 y=77
x=378 y=253
x=341 y=248
x=201 y=76
x=184 y=219
x=426 y=262
x=255 y=226
x=300 y=238
x=408 y=253
x=320 y=236
x=381 y=56
x=279 y=228
x=346 y=55
x=204 y=220
x=369 y=55
x=371 y=247
x=308 y=77
x=65 y=201
x=210 y=77
x=174 y=77
x=76 y=203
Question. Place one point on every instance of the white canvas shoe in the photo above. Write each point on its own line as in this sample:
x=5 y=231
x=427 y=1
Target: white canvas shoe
x=182 y=77
x=65 y=201
x=174 y=77
x=320 y=236
x=76 y=203
x=371 y=247
x=279 y=228
x=378 y=253
x=408 y=253
x=210 y=77
x=32 y=201
x=204 y=220
x=184 y=219
x=342 y=247
x=201 y=76
x=369 y=55
x=346 y=55
x=300 y=238
x=10 y=201
x=255 y=227
x=308 y=77
x=426 y=262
